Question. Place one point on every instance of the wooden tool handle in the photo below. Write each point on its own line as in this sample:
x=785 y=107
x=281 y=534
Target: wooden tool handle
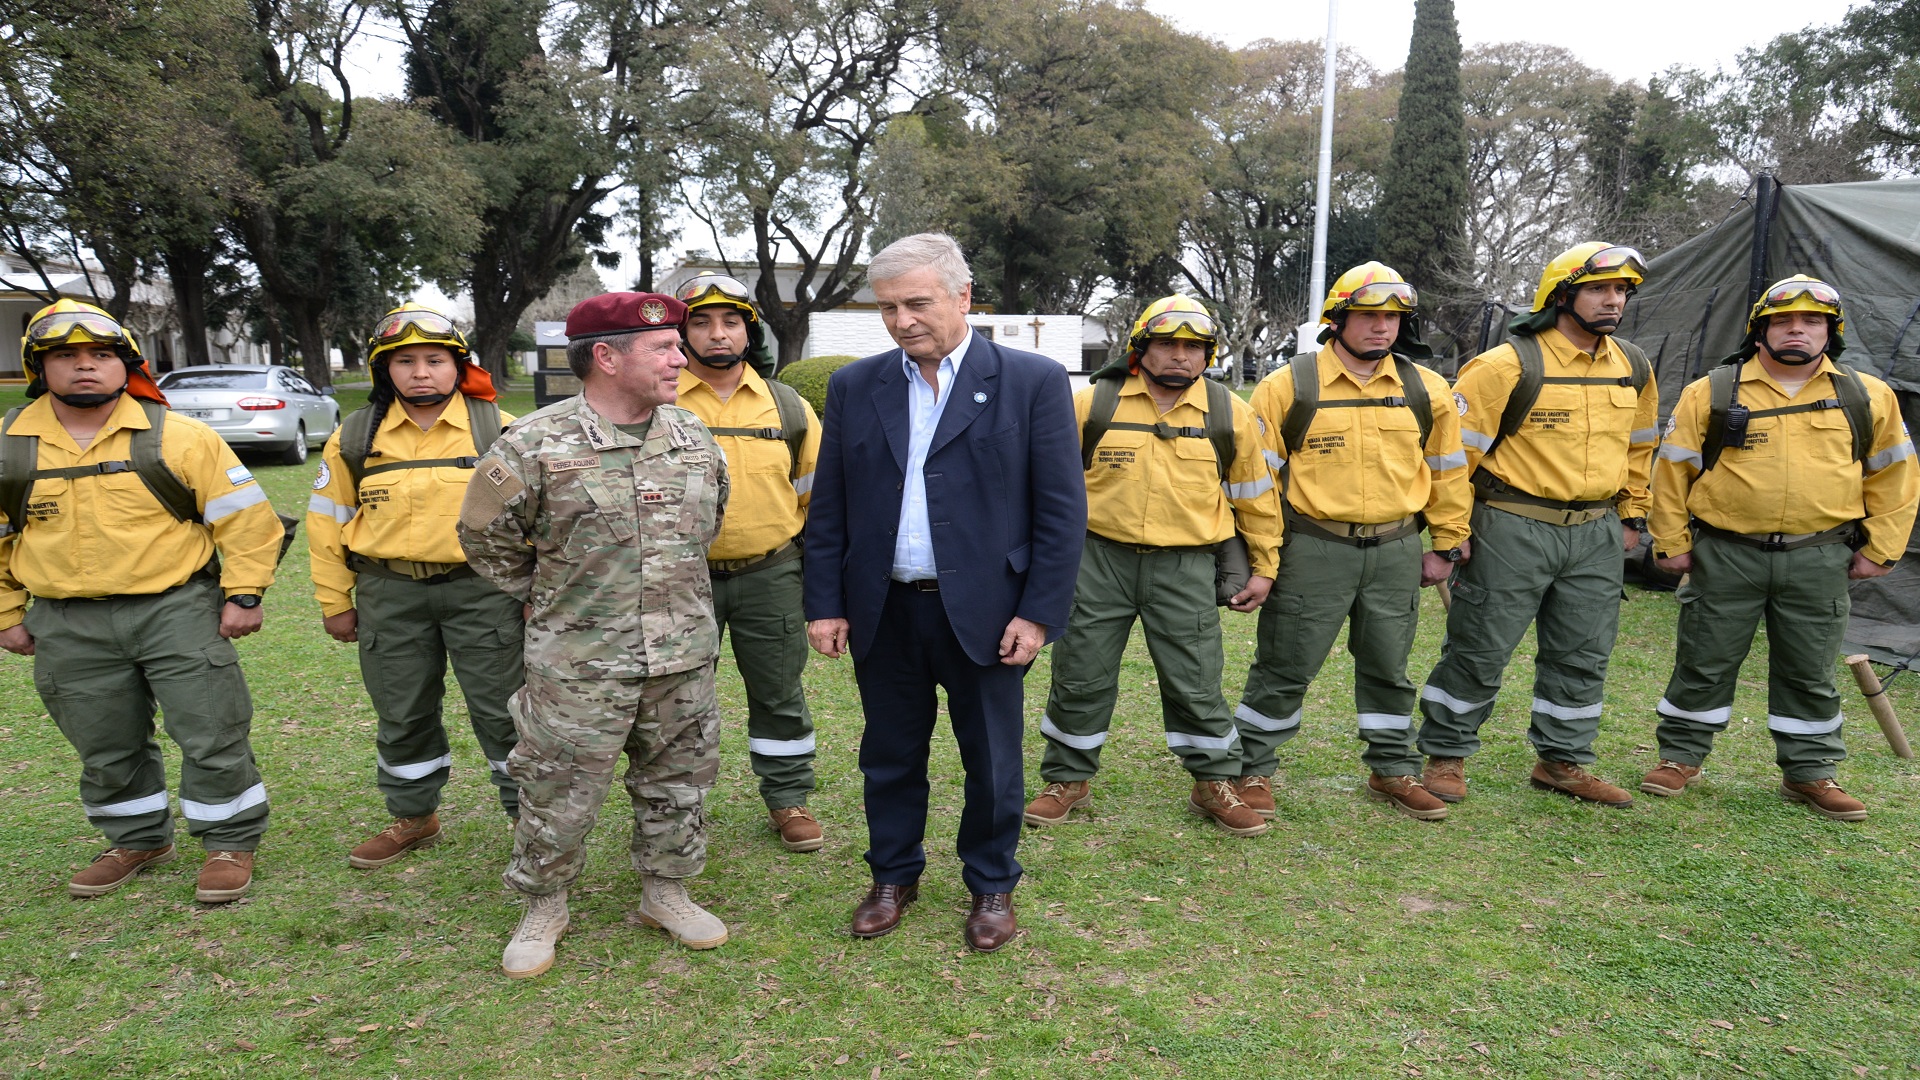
x=1876 y=695
x=1446 y=595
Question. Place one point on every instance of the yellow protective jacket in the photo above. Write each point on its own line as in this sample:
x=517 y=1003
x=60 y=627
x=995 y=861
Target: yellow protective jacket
x=768 y=506
x=1142 y=489
x=1797 y=473
x=106 y=535
x=403 y=514
x=1578 y=443
x=1366 y=466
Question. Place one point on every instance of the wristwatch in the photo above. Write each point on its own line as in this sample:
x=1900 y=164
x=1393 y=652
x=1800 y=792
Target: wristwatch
x=1638 y=523
x=1452 y=555
x=245 y=600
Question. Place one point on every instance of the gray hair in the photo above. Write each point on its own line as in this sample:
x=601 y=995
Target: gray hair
x=580 y=350
x=933 y=250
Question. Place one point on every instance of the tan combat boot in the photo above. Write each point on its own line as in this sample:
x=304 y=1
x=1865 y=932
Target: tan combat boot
x=1825 y=798
x=396 y=840
x=1257 y=793
x=798 y=829
x=664 y=903
x=530 y=952
x=115 y=867
x=1575 y=782
x=1671 y=778
x=1215 y=799
x=1057 y=800
x=224 y=877
x=1407 y=795
x=1446 y=778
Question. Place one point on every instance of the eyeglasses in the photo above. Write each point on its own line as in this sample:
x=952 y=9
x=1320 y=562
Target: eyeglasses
x=699 y=288
x=1818 y=291
x=1169 y=323
x=427 y=324
x=1377 y=293
x=56 y=328
x=1613 y=258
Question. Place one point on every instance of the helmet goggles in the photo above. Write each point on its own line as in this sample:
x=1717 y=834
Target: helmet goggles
x=1617 y=261
x=1195 y=324
x=397 y=326
x=52 y=331
x=1790 y=290
x=1380 y=294
x=713 y=289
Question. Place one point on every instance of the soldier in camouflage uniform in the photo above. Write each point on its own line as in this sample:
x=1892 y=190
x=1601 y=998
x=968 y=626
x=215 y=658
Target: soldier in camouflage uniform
x=597 y=512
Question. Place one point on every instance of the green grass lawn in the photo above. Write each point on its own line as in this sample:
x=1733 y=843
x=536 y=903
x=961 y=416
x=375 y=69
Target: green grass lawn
x=1723 y=934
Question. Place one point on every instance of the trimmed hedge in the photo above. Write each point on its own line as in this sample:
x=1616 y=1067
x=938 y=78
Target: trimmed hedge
x=810 y=376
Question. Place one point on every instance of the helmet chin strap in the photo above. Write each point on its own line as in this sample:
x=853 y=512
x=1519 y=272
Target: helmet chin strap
x=1340 y=335
x=1173 y=382
x=88 y=401
x=1791 y=357
x=425 y=400
x=1596 y=329
x=723 y=361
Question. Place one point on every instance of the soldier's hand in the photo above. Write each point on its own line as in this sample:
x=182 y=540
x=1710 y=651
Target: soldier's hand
x=1433 y=569
x=16 y=640
x=1862 y=568
x=238 y=622
x=1251 y=597
x=1022 y=641
x=344 y=626
x=1629 y=538
x=828 y=637
x=1678 y=564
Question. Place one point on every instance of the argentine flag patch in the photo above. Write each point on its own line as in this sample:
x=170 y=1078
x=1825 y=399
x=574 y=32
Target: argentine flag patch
x=239 y=475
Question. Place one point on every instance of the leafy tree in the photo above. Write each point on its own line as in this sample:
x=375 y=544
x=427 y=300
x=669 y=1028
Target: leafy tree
x=1424 y=190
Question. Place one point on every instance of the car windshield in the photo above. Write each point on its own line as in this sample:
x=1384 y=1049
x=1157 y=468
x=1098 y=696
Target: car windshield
x=214 y=380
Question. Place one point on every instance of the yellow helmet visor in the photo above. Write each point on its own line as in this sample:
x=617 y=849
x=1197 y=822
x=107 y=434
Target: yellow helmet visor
x=1380 y=294
x=1786 y=292
x=425 y=325
x=1191 y=324
x=57 y=329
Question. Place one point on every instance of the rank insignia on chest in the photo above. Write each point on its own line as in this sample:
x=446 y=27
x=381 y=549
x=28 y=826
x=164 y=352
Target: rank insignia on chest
x=653 y=496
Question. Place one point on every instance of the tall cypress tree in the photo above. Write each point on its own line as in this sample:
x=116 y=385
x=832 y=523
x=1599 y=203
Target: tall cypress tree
x=1422 y=211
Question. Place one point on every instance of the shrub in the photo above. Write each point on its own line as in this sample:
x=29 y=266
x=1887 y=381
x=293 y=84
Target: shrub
x=810 y=376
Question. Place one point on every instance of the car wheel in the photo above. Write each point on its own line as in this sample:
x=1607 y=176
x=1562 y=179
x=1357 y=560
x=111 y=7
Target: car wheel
x=296 y=453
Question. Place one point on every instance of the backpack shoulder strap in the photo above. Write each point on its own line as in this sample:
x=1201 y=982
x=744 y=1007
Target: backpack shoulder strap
x=18 y=455
x=1220 y=425
x=1858 y=405
x=1721 y=382
x=1106 y=398
x=1637 y=359
x=356 y=442
x=1533 y=372
x=483 y=417
x=1413 y=383
x=149 y=463
x=1305 y=372
x=793 y=422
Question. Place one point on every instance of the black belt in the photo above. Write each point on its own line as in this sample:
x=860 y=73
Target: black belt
x=726 y=568
x=1302 y=524
x=1839 y=534
x=366 y=564
x=1488 y=487
x=1155 y=549
x=922 y=585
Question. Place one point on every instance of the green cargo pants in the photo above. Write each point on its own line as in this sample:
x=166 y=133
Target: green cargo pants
x=760 y=610
x=1322 y=584
x=409 y=631
x=1565 y=580
x=101 y=667
x=1171 y=593
x=1803 y=597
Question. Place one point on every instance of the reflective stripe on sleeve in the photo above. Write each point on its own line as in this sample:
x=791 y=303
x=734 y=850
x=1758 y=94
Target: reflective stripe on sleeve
x=1676 y=452
x=1274 y=460
x=781 y=747
x=1642 y=436
x=1252 y=489
x=246 y=800
x=1078 y=742
x=1888 y=456
x=1476 y=440
x=803 y=485
x=146 y=804
x=325 y=507
x=1443 y=462
x=1711 y=717
x=416 y=770
x=233 y=502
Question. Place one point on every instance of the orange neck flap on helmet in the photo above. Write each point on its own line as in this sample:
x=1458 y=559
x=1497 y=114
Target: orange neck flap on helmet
x=141 y=385
x=475 y=382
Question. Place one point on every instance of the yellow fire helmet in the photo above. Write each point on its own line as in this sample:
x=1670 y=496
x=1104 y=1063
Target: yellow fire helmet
x=708 y=288
x=65 y=322
x=1801 y=293
x=1370 y=286
x=1174 y=316
x=1585 y=263
x=416 y=324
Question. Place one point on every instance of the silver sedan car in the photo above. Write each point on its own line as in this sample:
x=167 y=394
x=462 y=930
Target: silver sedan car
x=256 y=407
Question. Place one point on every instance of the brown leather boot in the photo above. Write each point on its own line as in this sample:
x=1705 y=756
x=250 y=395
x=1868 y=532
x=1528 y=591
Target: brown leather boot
x=1215 y=799
x=1569 y=779
x=797 y=828
x=1446 y=778
x=224 y=877
x=1257 y=793
x=115 y=867
x=395 y=840
x=1057 y=800
x=1407 y=795
x=1825 y=798
x=1671 y=778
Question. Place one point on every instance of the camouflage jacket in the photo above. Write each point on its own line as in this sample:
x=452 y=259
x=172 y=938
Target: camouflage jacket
x=605 y=535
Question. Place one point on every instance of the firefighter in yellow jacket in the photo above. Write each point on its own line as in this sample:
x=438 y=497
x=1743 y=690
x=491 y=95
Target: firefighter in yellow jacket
x=1368 y=444
x=1559 y=425
x=390 y=575
x=1175 y=466
x=1783 y=475
x=114 y=509
x=771 y=438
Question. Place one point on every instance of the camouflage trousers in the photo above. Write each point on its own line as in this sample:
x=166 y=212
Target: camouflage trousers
x=572 y=732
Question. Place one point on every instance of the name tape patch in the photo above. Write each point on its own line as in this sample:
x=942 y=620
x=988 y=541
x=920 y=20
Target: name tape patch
x=569 y=464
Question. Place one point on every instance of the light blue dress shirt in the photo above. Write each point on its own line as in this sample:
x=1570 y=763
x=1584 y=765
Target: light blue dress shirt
x=913 y=544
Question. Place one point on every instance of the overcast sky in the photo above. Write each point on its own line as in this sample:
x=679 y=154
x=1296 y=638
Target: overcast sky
x=1628 y=39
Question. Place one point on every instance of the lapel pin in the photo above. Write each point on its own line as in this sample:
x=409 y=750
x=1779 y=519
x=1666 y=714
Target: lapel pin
x=979 y=397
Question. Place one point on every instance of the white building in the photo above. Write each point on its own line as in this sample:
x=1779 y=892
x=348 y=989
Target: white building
x=862 y=333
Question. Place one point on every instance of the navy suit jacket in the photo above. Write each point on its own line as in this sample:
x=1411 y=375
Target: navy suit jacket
x=1006 y=497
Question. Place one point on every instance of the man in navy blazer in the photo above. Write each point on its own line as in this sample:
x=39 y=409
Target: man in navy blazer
x=949 y=511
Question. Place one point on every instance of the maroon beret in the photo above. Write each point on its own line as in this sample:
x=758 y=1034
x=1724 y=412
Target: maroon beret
x=624 y=313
